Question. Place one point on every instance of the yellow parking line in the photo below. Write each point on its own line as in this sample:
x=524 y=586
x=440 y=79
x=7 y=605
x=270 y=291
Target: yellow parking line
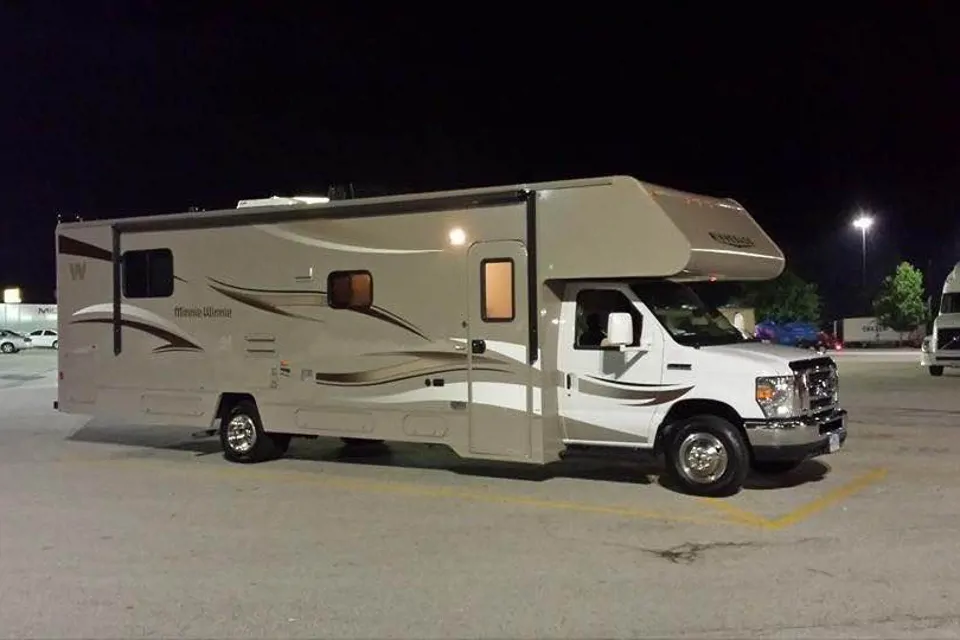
x=732 y=515
x=421 y=490
x=802 y=512
x=735 y=513
x=829 y=498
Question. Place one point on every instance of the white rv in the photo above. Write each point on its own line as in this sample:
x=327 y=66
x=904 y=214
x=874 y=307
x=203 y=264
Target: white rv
x=510 y=323
x=942 y=348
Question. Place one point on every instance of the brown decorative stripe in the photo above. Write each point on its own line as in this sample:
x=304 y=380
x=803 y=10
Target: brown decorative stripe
x=446 y=356
x=174 y=342
x=395 y=373
x=390 y=318
x=643 y=385
x=255 y=301
x=667 y=395
x=70 y=247
x=649 y=393
x=305 y=297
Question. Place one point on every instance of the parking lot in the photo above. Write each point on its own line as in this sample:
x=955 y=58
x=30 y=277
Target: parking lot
x=112 y=531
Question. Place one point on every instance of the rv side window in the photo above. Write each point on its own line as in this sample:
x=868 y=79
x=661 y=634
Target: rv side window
x=350 y=290
x=496 y=290
x=147 y=273
x=593 y=307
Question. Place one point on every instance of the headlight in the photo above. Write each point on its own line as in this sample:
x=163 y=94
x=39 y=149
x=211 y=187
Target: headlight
x=925 y=345
x=779 y=397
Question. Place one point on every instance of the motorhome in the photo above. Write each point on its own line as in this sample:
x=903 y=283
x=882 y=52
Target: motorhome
x=514 y=323
x=941 y=349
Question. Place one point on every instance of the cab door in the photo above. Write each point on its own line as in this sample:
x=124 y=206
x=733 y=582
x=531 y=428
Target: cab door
x=608 y=396
x=500 y=395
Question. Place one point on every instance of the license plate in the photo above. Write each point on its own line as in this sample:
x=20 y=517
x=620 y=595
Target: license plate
x=834 y=442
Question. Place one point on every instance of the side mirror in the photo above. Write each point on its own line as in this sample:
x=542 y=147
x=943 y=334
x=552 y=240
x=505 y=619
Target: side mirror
x=619 y=330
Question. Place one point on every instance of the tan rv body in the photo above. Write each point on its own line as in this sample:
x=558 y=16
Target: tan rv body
x=459 y=343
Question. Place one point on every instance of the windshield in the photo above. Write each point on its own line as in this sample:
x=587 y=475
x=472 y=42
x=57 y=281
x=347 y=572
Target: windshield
x=689 y=320
x=950 y=303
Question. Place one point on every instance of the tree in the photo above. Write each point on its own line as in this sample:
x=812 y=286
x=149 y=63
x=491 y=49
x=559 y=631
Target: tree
x=900 y=304
x=787 y=298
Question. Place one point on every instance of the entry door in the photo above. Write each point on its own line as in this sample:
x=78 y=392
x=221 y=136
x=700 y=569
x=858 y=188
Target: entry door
x=499 y=390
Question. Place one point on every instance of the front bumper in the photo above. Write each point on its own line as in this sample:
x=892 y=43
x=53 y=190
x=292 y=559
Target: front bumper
x=797 y=438
x=930 y=359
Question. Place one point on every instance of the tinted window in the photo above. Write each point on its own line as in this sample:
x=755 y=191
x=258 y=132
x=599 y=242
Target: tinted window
x=147 y=273
x=350 y=290
x=593 y=308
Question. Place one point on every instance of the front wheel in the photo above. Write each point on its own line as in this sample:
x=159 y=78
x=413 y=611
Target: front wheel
x=7 y=347
x=936 y=370
x=706 y=455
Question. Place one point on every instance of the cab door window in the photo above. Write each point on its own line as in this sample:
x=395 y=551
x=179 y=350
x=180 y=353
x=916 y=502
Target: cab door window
x=593 y=308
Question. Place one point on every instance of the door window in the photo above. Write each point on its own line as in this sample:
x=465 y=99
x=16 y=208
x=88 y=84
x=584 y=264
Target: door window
x=593 y=308
x=496 y=290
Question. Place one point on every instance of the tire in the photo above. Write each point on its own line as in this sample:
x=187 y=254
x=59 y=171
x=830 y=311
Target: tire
x=775 y=467
x=7 y=347
x=55 y=344
x=936 y=370
x=243 y=438
x=718 y=436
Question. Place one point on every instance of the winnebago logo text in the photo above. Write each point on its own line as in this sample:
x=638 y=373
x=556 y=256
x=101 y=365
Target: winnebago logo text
x=202 y=312
x=732 y=240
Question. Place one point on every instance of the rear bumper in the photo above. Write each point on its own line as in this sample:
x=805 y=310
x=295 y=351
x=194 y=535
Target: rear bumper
x=798 y=438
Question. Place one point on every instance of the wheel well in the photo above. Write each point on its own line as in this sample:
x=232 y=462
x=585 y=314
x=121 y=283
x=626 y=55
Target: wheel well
x=690 y=408
x=228 y=401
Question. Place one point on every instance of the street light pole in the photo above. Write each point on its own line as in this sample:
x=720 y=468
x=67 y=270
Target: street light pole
x=863 y=222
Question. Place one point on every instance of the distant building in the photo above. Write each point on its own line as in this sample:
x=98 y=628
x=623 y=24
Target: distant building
x=25 y=318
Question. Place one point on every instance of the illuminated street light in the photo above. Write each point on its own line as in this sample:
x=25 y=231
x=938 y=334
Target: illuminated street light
x=863 y=222
x=12 y=296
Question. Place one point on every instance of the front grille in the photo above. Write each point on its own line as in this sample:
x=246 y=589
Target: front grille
x=822 y=387
x=948 y=339
x=820 y=383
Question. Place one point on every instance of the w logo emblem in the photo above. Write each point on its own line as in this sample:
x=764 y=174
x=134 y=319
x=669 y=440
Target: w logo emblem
x=78 y=270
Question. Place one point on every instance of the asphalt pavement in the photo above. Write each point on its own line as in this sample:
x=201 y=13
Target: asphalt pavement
x=112 y=531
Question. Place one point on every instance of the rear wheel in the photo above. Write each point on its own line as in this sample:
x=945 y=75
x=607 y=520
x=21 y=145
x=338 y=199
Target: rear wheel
x=706 y=455
x=7 y=347
x=936 y=370
x=243 y=438
x=55 y=344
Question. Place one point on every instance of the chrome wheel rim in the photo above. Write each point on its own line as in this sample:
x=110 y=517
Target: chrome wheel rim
x=241 y=433
x=703 y=458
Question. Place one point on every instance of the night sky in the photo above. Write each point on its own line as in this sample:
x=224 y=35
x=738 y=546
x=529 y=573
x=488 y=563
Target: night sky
x=129 y=108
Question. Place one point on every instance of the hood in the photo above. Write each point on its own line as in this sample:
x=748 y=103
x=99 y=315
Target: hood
x=773 y=358
x=947 y=321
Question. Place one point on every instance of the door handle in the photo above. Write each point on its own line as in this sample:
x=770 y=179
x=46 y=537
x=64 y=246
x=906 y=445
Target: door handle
x=478 y=346
x=569 y=380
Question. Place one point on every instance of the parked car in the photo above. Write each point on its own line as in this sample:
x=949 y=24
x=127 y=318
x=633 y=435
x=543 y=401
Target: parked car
x=12 y=342
x=43 y=338
x=804 y=335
